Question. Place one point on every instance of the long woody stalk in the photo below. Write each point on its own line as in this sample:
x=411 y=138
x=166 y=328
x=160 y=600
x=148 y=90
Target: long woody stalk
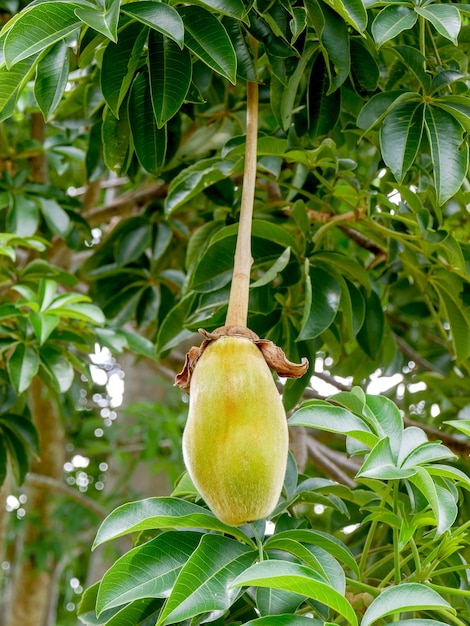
x=237 y=314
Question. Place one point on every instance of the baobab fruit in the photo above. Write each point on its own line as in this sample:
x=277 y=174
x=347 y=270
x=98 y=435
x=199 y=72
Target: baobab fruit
x=235 y=442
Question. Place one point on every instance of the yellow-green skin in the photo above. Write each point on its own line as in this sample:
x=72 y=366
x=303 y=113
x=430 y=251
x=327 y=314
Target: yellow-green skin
x=235 y=442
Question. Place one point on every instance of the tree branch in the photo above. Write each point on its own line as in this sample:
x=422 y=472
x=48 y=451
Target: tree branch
x=56 y=486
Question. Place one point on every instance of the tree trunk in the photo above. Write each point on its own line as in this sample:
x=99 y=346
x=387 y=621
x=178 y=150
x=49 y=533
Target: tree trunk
x=32 y=580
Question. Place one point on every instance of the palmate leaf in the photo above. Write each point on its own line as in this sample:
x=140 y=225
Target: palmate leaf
x=449 y=152
x=298 y=579
x=39 y=27
x=170 y=71
x=204 y=584
x=405 y=597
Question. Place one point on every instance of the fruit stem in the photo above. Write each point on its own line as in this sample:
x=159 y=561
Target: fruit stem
x=237 y=314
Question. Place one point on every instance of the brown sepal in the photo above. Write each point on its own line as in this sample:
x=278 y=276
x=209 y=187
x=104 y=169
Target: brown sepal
x=277 y=360
x=273 y=355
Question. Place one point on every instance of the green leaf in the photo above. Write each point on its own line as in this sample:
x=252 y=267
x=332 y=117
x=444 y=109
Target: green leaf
x=81 y=311
x=444 y=17
x=58 y=367
x=298 y=579
x=245 y=64
x=381 y=465
x=205 y=582
x=232 y=8
x=285 y=620
x=427 y=452
x=323 y=109
x=352 y=11
x=39 y=27
x=418 y=622
x=18 y=457
x=400 y=137
x=172 y=330
x=55 y=217
x=22 y=428
x=392 y=21
x=119 y=64
x=364 y=65
x=206 y=37
x=149 y=142
x=3 y=460
x=457 y=106
x=371 y=334
x=289 y=94
x=22 y=218
x=139 y=345
x=440 y=499
x=273 y=601
x=405 y=597
x=449 y=152
x=170 y=72
x=195 y=178
x=277 y=267
x=380 y=105
x=105 y=22
x=51 y=78
x=133 y=241
x=415 y=62
x=147 y=571
x=12 y=82
x=335 y=40
x=384 y=415
x=324 y=416
x=43 y=325
x=320 y=312
x=115 y=135
x=159 y=16
x=323 y=540
x=161 y=513
x=22 y=365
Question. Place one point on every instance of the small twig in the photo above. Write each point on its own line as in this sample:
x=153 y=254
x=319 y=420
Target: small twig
x=316 y=452
x=411 y=354
x=58 y=487
x=127 y=202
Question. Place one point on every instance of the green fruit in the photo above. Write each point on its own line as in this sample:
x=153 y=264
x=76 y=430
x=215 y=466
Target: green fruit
x=235 y=442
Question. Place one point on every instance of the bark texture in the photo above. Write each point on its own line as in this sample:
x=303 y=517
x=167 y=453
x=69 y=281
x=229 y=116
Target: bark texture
x=33 y=577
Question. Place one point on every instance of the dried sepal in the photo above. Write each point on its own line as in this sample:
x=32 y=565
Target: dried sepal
x=273 y=355
x=277 y=360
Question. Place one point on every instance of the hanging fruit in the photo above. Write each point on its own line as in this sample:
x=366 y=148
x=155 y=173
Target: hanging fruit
x=235 y=442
